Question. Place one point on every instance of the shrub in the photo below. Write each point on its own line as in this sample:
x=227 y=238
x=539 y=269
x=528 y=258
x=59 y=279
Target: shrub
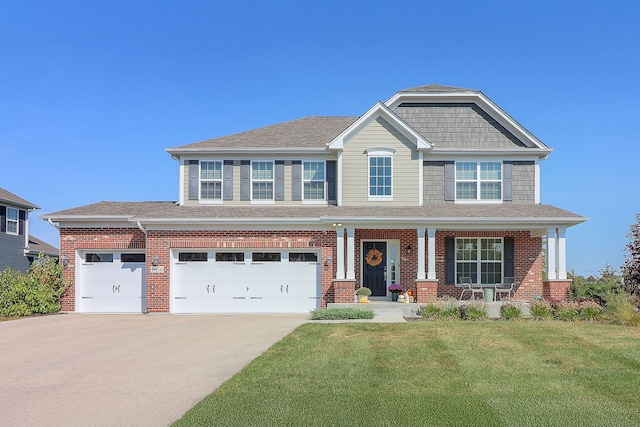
x=567 y=310
x=37 y=291
x=363 y=291
x=475 y=310
x=541 y=310
x=590 y=311
x=444 y=308
x=341 y=313
x=620 y=310
x=511 y=311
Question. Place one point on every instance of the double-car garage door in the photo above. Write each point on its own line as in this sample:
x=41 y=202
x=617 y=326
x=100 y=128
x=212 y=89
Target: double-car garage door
x=247 y=281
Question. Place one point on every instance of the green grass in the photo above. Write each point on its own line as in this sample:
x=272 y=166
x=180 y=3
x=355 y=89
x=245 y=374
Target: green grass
x=342 y=313
x=436 y=373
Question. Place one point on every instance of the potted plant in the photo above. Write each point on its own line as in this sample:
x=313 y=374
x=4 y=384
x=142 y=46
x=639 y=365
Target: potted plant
x=363 y=294
x=395 y=290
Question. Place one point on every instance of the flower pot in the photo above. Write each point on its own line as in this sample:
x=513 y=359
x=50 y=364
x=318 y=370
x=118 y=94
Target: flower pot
x=394 y=296
x=363 y=299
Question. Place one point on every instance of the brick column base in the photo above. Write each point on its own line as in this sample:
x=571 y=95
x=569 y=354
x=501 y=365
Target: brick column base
x=343 y=290
x=426 y=291
x=556 y=290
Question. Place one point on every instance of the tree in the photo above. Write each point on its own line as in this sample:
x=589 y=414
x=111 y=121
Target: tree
x=631 y=267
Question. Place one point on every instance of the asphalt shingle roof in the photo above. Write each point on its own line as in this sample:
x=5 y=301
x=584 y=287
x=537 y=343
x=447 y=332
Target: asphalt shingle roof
x=9 y=197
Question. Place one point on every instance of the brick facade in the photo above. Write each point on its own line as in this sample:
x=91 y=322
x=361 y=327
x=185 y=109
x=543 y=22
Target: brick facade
x=159 y=243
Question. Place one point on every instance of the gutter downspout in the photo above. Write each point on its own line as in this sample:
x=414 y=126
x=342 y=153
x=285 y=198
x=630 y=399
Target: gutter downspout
x=142 y=228
x=52 y=224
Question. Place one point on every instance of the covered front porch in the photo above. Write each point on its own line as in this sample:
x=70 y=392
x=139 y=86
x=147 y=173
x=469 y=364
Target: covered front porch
x=428 y=261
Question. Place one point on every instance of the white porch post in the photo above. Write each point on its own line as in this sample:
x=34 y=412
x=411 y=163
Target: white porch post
x=551 y=254
x=339 y=253
x=421 y=251
x=561 y=253
x=431 y=251
x=351 y=254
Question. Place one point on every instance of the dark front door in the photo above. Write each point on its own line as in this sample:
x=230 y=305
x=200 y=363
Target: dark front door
x=374 y=260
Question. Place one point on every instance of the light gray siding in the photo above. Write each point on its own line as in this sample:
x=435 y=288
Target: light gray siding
x=355 y=165
x=456 y=125
x=524 y=186
x=433 y=177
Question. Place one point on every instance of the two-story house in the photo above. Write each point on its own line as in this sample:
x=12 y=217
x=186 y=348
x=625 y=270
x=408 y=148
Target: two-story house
x=17 y=248
x=434 y=184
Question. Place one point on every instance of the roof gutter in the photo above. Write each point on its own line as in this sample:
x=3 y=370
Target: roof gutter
x=142 y=228
x=52 y=224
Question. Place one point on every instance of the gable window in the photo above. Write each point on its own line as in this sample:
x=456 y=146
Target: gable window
x=12 y=221
x=211 y=180
x=313 y=178
x=262 y=180
x=480 y=259
x=478 y=181
x=380 y=173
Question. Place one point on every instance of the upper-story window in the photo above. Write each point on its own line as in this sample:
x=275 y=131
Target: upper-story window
x=478 y=180
x=211 y=180
x=380 y=173
x=12 y=221
x=262 y=180
x=313 y=180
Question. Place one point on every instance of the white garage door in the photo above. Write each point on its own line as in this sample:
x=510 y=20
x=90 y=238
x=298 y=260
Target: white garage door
x=244 y=282
x=111 y=282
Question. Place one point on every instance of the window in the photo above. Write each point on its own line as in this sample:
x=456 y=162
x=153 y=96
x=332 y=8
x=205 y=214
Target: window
x=480 y=259
x=229 y=256
x=211 y=180
x=478 y=181
x=98 y=258
x=192 y=256
x=132 y=258
x=265 y=257
x=303 y=257
x=262 y=180
x=313 y=178
x=380 y=176
x=12 y=221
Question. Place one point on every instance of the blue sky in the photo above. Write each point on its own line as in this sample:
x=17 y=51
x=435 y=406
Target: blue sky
x=92 y=92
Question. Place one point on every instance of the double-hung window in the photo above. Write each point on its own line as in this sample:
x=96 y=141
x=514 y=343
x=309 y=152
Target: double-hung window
x=313 y=178
x=211 y=180
x=478 y=181
x=480 y=259
x=262 y=180
x=380 y=173
x=12 y=221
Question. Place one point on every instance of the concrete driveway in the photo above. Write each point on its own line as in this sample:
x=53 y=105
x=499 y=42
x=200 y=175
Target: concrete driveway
x=120 y=370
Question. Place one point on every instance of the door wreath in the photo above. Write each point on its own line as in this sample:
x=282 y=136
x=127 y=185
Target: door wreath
x=374 y=257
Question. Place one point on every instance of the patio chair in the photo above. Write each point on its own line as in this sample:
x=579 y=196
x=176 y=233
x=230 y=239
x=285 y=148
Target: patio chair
x=507 y=285
x=467 y=286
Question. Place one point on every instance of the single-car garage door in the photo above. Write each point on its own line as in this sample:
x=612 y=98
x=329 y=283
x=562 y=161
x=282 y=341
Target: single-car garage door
x=111 y=282
x=244 y=282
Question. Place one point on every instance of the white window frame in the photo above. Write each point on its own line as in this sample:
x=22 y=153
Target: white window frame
x=307 y=181
x=479 y=181
x=379 y=152
x=478 y=260
x=272 y=181
x=211 y=180
x=15 y=221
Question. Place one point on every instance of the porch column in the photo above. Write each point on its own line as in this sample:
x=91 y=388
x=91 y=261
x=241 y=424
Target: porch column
x=351 y=254
x=339 y=252
x=551 y=254
x=431 y=270
x=421 y=251
x=561 y=253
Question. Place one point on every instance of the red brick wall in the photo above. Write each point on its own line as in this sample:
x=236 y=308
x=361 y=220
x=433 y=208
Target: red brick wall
x=528 y=261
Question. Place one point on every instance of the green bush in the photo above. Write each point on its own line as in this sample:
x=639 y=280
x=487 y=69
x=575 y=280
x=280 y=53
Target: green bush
x=567 y=310
x=620 y=310
x=444 y=308
x=341 y=313
x=590 y=311
x=37 y=291
x=541 y=310
x=475 y=310
x=511 y=311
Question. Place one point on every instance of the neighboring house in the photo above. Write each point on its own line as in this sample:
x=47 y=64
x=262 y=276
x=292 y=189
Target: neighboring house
x=17 y=248
x=434 y=184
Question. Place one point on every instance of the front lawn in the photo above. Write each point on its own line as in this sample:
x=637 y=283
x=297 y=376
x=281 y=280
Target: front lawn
x=436 y=373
